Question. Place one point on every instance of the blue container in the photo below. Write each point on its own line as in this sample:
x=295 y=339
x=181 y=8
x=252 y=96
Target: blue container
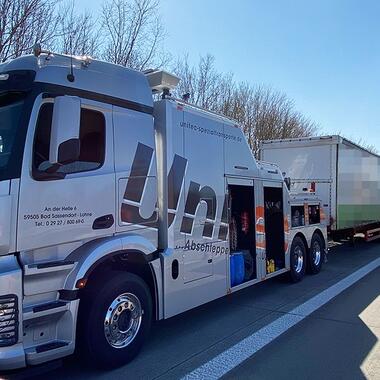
x=237 y=268
x=232 y=270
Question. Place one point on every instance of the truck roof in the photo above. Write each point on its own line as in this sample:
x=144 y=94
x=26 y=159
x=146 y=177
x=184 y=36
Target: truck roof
x=211 y=114
x=312 y=141
x=90 y=75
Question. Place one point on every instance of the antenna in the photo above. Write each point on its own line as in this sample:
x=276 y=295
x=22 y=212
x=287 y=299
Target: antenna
x=70 y=76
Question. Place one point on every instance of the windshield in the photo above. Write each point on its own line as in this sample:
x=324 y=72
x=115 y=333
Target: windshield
x=11 y=107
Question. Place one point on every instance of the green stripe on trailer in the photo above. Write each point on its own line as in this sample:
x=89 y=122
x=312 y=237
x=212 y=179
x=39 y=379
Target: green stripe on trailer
x=354 y=215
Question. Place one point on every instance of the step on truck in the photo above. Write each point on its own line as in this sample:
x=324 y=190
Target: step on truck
x=117 y=210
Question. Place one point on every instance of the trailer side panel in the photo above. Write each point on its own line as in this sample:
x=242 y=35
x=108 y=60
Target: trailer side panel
x=358 y=182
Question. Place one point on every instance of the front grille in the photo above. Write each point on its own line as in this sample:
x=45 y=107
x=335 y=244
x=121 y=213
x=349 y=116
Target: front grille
x=8 y=320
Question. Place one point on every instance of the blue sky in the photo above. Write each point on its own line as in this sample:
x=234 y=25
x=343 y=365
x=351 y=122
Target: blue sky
x=323 y=54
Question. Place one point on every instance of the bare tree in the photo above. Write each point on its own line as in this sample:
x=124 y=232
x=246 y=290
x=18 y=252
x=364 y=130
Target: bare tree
x=206 y=87
x=78 y=33
x=263 y=112
x=133 y=33
x=129 y=32
x=273 y=116
x=25 y=22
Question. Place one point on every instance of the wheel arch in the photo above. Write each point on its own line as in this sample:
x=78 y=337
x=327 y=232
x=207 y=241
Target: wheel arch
x=129 y=261
x=303 y=238
x=97 y=259
x=318 y=231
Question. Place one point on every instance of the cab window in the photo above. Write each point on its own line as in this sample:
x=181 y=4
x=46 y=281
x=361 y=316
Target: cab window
x=92 y=141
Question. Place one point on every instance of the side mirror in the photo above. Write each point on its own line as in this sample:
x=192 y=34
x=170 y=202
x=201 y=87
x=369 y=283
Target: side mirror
x=65 y=128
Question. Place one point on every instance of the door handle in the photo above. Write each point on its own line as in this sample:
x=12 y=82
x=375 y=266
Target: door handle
x=103 y=222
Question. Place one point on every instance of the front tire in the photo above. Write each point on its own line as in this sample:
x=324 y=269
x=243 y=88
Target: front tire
x=297 y=260
x=114 y=320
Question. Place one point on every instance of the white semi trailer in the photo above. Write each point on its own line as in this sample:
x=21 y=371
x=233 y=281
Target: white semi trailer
x=116 y=210
x=345 y=176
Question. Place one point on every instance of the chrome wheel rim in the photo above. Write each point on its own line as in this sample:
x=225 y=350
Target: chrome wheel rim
x=316 y=253
x=123 y=320
x=298 y=259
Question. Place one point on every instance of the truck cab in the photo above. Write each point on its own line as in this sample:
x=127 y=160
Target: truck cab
x=117 y=210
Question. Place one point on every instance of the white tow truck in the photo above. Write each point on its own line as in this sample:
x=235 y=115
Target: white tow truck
x=116 y=210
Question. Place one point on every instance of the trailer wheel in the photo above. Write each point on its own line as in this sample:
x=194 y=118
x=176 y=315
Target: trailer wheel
x=115 y=319
x=297 y=259
x=316 y=254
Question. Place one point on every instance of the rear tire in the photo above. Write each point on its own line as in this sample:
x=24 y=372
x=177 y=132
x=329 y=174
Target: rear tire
x=316 y=254
x=114 y=320
x=297 y=260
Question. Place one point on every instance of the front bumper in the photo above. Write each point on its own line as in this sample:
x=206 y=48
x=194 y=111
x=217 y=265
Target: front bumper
x=12 y=357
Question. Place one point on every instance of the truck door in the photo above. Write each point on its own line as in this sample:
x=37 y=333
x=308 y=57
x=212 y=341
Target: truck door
x=78 y=201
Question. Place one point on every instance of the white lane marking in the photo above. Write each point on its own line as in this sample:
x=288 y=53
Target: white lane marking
x=232 y=357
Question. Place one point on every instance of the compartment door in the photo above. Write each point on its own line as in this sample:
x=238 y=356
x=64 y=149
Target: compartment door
x=274 y=224
x=242 y=222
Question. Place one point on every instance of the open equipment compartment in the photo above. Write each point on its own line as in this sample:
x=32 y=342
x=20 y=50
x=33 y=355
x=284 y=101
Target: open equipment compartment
x=274 y=226
x=242 y=229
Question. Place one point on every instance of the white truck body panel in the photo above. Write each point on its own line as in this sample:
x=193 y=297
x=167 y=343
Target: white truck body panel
x=196 y=202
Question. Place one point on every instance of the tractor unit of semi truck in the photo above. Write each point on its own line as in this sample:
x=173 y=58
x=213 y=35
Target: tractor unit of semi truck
x=117 y=210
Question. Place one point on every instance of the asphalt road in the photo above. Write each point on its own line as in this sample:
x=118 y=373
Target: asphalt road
x=338 y=341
